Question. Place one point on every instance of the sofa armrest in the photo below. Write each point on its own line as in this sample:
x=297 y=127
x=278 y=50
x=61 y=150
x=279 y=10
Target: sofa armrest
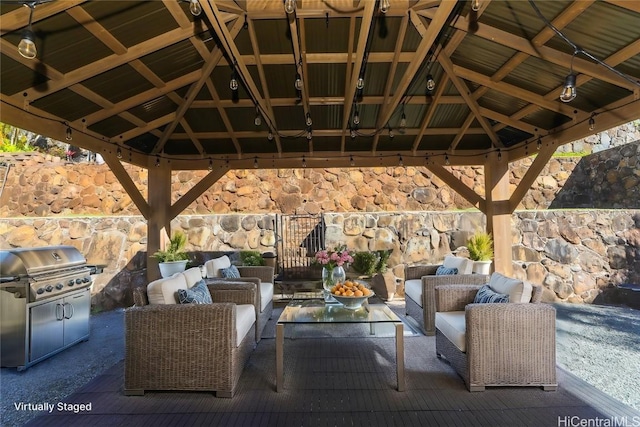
x=505 y=340
x=454 y=297
x=140 y=298
x=235 y=292
x=417 y=271
x=429 y=284
x=263 y=272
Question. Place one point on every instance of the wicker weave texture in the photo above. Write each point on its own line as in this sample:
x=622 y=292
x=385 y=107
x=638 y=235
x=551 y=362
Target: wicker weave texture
x=184 y=347
x=427 y=317
x=413 y=272
x=511 y=344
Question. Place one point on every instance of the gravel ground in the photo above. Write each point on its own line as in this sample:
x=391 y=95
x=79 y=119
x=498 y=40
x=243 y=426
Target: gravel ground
x=599 y=344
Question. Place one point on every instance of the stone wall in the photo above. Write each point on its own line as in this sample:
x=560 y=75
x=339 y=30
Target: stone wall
x=573 y=253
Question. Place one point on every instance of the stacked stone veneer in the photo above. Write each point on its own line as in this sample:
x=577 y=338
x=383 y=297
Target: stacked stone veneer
x=573 y=253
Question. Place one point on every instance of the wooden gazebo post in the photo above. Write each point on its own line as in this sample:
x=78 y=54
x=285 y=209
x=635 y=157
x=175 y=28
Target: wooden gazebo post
x=159 y=221
x=498 y=211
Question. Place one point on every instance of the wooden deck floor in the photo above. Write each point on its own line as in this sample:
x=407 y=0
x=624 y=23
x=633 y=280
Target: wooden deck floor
x=343 y=382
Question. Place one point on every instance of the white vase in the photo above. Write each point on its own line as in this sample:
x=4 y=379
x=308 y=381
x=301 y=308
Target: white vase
x=168 y=269
x=482 y=267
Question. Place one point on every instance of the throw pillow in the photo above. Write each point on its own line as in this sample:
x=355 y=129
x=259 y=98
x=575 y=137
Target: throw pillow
x=444 y=271
x=486 y=294
x=230 y=272
x=198 y=294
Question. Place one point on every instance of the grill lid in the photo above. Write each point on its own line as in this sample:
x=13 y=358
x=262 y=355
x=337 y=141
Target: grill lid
x=33 y=261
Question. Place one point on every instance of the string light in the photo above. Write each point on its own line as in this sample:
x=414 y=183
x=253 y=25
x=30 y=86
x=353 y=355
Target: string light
x=157 y=161
x=391 y=134
x=356 y=117
x=270 y=135
x=384 y=6
x=298 y=82
x=353 y=133
x=119 y=153
x=499 y=154
x=475 y=5
x=592 y=122
x=446 y=159
x=27 y=45
x=309 y=133
x=539 y=143
x=304 y=162
x=289 y=6
x=68 y=134
x=255 y=162
x=400 y=160
x=351 y=161
x=431 y=84
x=308 y=119
x=210 y=165
x=360 y=83
x=233 y=83
x=258 y=120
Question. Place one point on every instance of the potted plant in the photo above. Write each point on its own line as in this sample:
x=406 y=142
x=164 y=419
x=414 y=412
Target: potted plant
x=480 y=247
x=173 y=259
x=383 y=281
x=251 y=258
x=365 y=263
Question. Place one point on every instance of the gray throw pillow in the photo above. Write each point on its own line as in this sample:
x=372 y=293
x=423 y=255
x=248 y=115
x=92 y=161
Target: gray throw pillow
x=444 y=271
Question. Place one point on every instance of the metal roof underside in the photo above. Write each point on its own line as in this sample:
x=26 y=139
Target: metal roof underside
x=148 y=80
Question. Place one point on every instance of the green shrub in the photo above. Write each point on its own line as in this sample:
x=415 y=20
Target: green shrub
x=251 y=258
x=365 y=263
x=383 y=259
x=175 y=250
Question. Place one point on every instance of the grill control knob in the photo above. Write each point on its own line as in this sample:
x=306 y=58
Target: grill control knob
x=86 y=280
x=71 y=283
x=40 y=291
x=59 y=286
x=49 y=288
x=78 y=281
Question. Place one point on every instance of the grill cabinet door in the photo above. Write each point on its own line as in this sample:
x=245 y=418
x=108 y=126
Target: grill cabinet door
x=76 y=317
x=47 y=329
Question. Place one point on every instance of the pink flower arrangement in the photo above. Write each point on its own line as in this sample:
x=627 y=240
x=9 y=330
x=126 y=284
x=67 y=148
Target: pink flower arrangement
x=333 y=258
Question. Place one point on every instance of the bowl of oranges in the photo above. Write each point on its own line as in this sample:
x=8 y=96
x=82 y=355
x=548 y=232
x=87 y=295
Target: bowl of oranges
x=351 y=293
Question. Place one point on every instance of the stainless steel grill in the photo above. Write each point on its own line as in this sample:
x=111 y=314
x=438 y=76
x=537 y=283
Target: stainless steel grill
x=45 y=299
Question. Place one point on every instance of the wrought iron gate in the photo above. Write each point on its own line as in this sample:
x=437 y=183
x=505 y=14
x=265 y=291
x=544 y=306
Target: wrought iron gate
x=300 y=237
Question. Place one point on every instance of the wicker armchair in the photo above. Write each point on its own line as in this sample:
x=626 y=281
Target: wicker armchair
x=505 y=344
x=187 y=346
x=262 y=276
x=421 y=304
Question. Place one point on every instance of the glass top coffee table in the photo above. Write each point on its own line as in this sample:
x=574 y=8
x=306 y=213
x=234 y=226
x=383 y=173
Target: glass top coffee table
x=317 y=312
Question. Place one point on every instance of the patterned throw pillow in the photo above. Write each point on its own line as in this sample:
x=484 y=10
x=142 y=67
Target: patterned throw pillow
x=485 y=295
x=444 y=271
x=198 y=294
x=230 y=272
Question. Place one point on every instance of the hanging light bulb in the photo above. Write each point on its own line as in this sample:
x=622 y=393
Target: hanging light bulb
x=233 y=83
x=258 y=120
x=356 y=117
x=351 y=161
x=309 y=133
x=431 y=84
x=246 y=24
x=289 y=6
x=475 y=5
x=210 y=165
x=157 y=161
x=304 y=162
x=298 y=83
x=384 y=6
x=255 y=162
x=353 y=133
x=592 y=123
x=400 y=161
x=27 y=45
x=539 y=143
x=68 y=134
x=308 y=120
x=270 y=135
x=119 y=153
x=391 y=134
x=569 y=91
x=446 y=159
x=403 y=121
x=360 y=83
x=195 y=8
x=499 y=154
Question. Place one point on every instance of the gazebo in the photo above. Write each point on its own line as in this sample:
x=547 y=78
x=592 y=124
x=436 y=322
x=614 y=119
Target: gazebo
x=218 y=84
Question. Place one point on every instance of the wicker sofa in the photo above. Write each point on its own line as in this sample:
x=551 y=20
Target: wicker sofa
x=262 y=276
x=199 y=347
x=420 y=284
x=497 y=344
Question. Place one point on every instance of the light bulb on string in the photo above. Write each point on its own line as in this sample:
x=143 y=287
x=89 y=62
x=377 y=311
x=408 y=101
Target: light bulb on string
x=351 y=161
x=195 y=8
x=431 y=83
x=400 y=160
x=270 y=135
x=304 y=162
x=258 y=120
x=360 y=83
x=308 y=119
x=384 y=6
x=446 y=159
x=592 y=123
x=356 y=117
x=569 y=90
x=539 y=143
x=475 y=5
x=298 y=83
x=210 y=165
x=233 y=83
x=27 y=45
x=255 y=162
x=289 y=6
x=119 y=153
x=68 y=134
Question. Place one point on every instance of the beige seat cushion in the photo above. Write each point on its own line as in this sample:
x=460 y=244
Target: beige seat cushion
x=165 y=291
x=213 y=266
x=517 y=290
x=192 y=276
x=464 y=265
x=266 y=294
x=245 y=318
x=413 y=290
x=452 y=325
